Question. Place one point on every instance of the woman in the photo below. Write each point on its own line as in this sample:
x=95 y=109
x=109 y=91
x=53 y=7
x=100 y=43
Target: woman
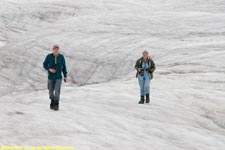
x=145 y=67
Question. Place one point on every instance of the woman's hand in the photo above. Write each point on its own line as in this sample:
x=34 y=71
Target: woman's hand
x=139 y=69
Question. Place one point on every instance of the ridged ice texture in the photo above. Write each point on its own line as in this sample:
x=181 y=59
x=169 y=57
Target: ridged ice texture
x=101 y=40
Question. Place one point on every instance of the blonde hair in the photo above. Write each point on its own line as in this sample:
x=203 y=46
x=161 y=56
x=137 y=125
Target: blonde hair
x=55 y=46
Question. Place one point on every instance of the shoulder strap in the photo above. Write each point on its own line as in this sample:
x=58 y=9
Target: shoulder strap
x=141 y=62
x=149 y=61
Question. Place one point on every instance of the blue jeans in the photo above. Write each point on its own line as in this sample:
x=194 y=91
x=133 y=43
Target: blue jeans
x=54 y=87
x=144 y=83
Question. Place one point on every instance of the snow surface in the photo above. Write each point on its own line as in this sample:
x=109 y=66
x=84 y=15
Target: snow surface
x=101 y=40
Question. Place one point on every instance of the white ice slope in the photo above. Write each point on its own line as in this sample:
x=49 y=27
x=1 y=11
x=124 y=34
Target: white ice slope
x=101 y=40
x=110 y=36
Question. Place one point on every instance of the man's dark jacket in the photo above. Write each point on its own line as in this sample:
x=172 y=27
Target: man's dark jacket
x=55 y=62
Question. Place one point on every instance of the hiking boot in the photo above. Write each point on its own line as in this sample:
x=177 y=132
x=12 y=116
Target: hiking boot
x=56 y=106
x=147 y=98
x=52 y=104
x=142 y=101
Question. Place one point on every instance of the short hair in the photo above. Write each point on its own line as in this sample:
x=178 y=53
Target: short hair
x=145 y=52
x=56 y=46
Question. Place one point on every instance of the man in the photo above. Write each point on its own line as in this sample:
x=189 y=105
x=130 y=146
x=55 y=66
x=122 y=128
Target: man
x=55 y=64
x=145 y=67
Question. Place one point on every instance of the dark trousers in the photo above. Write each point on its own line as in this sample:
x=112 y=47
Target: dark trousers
x=54 y=87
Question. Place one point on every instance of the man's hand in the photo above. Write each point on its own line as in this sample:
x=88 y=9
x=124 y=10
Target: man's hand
x=52 y=70
x=65 y=79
